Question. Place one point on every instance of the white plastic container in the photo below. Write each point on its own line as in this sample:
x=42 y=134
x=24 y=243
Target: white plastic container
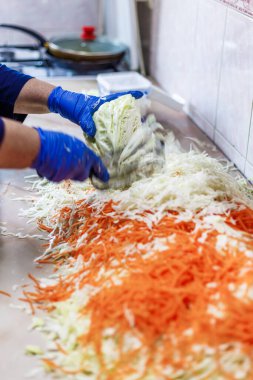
x=131 y=80
x=123 y=81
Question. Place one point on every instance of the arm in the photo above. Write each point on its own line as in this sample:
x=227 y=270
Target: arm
x=41 y=97
x=19 y=147
x=23 y=94
x=55 y=156
x=33 y=97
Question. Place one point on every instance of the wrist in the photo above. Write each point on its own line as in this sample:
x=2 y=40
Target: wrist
x=66 y=103
x=54 y=99
x=75 y=107
x=37 y=157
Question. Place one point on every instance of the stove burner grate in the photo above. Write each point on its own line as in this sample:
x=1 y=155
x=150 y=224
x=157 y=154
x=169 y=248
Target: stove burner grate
x=34 y=60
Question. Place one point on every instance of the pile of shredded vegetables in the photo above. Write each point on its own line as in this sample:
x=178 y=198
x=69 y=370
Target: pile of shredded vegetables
x=153 y=282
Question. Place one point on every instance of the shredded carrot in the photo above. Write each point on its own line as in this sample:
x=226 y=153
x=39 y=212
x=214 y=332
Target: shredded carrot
x=5 y=293
x=242 y=220
x=60 y=348
x=163 y=292
x=53 y=366
x=167 y=296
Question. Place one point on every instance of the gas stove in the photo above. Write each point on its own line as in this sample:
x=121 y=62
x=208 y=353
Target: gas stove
x=35 y=61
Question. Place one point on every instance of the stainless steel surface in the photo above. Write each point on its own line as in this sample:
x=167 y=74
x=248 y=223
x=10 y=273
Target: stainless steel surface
x=17 y=255
x=16 y=261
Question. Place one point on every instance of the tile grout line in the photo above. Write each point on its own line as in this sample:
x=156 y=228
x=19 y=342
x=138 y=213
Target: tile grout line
x=193 y=55
x=232 y=146
x=250 y=124
x=220 y=71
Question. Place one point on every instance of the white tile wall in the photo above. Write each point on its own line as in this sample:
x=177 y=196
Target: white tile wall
x=236 y=85
x=47 y=16
x=217 y=79
x=174 y=32
x=207 y=58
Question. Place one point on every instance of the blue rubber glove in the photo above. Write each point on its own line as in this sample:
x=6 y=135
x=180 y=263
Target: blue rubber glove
x=64 y=157
x=79 y=108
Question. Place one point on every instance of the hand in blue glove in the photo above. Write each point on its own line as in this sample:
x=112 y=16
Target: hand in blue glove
x=64 y=157
x=79 y=108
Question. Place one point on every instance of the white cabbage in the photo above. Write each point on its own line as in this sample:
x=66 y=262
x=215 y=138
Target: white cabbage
x=116 y=121
x=129 y=148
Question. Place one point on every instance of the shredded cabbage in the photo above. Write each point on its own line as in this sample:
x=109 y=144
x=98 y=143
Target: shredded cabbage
x=195 y=186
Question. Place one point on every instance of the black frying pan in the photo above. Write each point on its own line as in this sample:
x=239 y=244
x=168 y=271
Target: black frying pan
x=71 y=48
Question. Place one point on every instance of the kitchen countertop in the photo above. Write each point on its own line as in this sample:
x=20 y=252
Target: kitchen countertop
x=17 y=255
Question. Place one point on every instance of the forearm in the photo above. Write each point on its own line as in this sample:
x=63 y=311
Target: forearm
x=33 y=97
x=19 y=147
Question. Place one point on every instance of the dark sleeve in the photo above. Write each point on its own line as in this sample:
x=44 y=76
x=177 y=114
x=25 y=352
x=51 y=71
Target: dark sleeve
x=11 y=83
x=2 y=128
